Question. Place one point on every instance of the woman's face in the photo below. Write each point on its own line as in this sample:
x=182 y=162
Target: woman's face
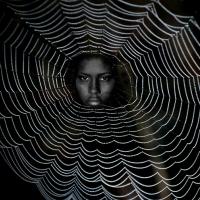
x=94 y=82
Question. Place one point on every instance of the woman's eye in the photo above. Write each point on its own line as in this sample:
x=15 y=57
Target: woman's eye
x=83 y=78
x=105 y=78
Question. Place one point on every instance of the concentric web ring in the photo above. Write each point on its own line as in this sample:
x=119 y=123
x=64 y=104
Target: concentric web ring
x=145 y=149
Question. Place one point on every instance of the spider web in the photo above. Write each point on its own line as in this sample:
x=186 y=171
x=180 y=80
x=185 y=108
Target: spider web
x=146 y=149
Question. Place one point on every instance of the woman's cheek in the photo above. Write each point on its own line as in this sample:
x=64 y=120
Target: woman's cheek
x=108 y=87
x=82 y=90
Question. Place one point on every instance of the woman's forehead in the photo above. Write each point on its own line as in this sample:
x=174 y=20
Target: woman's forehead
x=93 y=66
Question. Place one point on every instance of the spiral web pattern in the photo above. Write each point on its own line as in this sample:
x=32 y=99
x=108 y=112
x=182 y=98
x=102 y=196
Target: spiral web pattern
x=146 y=149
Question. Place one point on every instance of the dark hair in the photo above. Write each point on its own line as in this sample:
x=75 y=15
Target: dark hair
x=122 y=90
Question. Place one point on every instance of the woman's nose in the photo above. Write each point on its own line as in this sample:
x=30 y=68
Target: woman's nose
x=94 y=86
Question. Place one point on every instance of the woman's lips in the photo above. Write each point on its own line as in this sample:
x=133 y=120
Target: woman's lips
x=94 y=101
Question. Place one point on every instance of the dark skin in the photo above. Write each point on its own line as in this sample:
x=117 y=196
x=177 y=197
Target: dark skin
x=94 y=82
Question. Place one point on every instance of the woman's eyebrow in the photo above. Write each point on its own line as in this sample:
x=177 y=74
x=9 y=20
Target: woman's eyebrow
x=82 y=73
